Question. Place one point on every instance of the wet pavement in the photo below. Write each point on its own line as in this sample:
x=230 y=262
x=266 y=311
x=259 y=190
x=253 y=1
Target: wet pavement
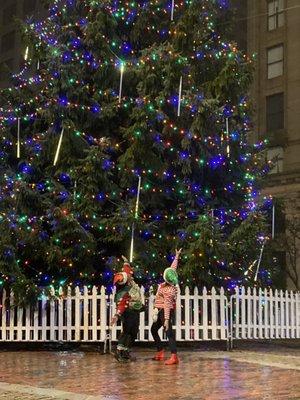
x=201 y=375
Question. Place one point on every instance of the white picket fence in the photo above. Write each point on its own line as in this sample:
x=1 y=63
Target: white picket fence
x=84 y=315
x=264 y=314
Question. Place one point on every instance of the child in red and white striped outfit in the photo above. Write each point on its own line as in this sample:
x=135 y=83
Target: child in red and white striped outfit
x=164 y=312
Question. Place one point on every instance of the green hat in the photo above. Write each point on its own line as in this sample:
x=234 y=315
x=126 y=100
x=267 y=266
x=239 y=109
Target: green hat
x=171 y=276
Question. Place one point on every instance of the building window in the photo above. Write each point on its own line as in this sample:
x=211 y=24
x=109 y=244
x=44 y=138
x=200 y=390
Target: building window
x=28 y=7
x=8 y=42
x=275 y=112
x=275 y=61
x=8 y=14
x=275 y=14
x=275 y=155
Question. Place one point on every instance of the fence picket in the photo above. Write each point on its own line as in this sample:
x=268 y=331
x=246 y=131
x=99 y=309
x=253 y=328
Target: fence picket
x=103 y=314
x=3 y=317
x=213 y=314
x=69 y=314
x=178 y=316
x=297 y=300
x=52 y=314
x=204 y=314
x=196 y=314
x=11 y=316
x=60 y=315
x=292 y=320
x=77 y=314
x=254 y=313
x=223 y=322
x=277 y=336
x=43 y=317
x=187 y=323
x=282 y=320
x=142 y=318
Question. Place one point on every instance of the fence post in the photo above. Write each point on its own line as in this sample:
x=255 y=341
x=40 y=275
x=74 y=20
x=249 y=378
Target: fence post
x=297 y=300
x=85 y=314
x=142 y=317
x=196 y=313
x=282 y=333
x=77 y=314
x=213 y=314
x=52 y=314
x=3 y=323
x=60 y=314
x=204 y=314
x=11 y=316
x=178 y=315
x=69 y=314
x=187 y=324
x=103 y=314
x=44 y=317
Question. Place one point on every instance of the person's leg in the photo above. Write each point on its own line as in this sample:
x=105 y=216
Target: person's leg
x=154 y=331
x=133 y=331
x=172 y=341
x=124 y=337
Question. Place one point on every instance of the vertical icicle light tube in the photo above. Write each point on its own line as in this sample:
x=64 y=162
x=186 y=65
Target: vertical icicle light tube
x=75 y=192
x=58 y=147
x=26 y=53
x=172 y=10
x=136 y=212
x=18 y=139
x=122 y=67
x=179 y=97
x=227 y=137
x=273 y=221
x=259 y=260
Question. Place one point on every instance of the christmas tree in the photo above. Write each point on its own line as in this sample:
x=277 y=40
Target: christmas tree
x=114 y=93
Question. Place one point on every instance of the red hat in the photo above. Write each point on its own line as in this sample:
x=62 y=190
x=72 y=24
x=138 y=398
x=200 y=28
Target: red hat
x=127 y=268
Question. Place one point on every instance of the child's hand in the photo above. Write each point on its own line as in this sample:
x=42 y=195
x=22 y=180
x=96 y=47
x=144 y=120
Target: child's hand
x=166 y=324
x=178 y=252
x=114 y=320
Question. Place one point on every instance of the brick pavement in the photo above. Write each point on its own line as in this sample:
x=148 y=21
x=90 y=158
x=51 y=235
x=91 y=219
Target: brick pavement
x=201 y=375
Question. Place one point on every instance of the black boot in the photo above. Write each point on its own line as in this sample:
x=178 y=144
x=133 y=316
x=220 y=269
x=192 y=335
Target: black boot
x=128 y=356
x=120 y=356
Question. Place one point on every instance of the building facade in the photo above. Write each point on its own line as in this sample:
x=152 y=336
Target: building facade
x=11 y=49
x=273 y=34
